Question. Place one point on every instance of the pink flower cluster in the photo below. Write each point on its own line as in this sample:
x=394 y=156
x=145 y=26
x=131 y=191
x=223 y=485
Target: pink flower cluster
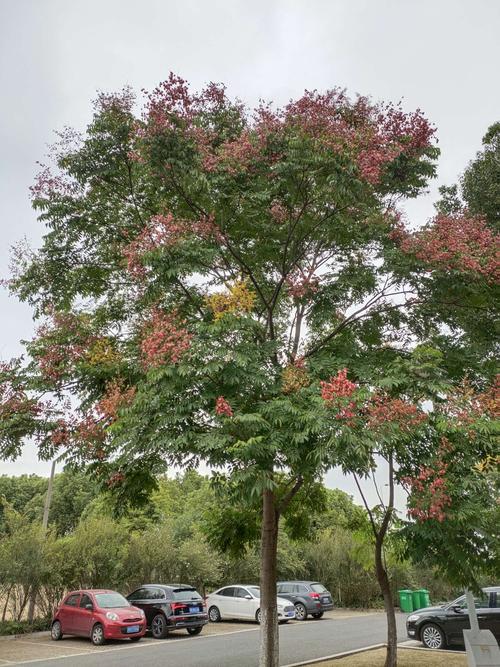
x=279 y=213
x=14 y=401
x=115 y=397
x=373 y=134
x=382 y=410
x=164 y=339
x=164 y=231
x=336 y=391
x=457 y=242
x=301 y=283
x=429 y=490
x=222 y=407
x=48 y=185
x=61 y=342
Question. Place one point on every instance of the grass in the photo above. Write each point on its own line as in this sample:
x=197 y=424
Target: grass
x=406 y=658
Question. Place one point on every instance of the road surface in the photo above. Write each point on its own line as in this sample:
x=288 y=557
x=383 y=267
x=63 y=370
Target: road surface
x=223 y=645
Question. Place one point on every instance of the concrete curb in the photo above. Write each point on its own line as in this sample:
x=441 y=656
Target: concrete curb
x=336 y=656
x=430 y=650
x=40 y=633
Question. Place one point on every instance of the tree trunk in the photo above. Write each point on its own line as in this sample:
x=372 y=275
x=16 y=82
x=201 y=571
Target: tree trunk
x=385 y=587
x=269 y=634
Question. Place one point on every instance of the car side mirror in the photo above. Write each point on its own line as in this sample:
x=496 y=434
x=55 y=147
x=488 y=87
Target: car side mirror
x=248 y=597
x=90 y=607
x=457 y=609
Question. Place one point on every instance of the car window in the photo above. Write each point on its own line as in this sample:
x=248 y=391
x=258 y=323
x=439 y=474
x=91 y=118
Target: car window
x=186 y=594
x=72 y=600
x=85 y=601
x=318 y=588
x=255 y=591
x=301 y=588
x=479 y=602
x=154 y=593
x=494 y=600
x=111 y=600
x=139 y=594
x=228 y=592
x=285 y=588
x=241 y=593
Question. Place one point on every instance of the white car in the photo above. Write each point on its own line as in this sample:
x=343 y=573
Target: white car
x=241 y=601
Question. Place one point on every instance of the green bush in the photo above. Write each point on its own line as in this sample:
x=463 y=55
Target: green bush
x=21 y=627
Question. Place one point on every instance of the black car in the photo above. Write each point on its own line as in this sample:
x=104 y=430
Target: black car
x=170 y=607
x=309 y=597
x=438 y=627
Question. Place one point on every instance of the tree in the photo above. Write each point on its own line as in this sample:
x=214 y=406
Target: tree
x=204 y=269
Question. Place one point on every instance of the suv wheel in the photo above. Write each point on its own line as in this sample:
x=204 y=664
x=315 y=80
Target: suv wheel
x=159 y=628
x=194 y=631
x=432 y=636
x=56 y=631
x=97 y=636
x=300 y=611
x=214 y=614
x=319 y=614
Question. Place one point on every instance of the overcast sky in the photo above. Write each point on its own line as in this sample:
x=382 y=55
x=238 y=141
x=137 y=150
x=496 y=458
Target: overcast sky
x=439 y=55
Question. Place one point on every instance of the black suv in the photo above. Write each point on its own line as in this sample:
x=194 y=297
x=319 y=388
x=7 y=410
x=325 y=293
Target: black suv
x=309 y=597
x=438 y=627
x=170 y=607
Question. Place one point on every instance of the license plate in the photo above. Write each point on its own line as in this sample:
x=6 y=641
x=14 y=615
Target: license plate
x=326 y=599
x=290 y=613
x=194 y=610
x=133 y=628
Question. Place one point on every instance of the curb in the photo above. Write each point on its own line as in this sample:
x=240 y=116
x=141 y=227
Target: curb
x=40 y=633
x=430 y=650
x=336 y=656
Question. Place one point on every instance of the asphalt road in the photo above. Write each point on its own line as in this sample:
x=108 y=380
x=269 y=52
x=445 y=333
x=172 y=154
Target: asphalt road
x=298 y=642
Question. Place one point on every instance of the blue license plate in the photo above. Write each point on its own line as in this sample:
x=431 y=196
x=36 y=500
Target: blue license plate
x=133 y=628
x=194 y=610
x=290 y=613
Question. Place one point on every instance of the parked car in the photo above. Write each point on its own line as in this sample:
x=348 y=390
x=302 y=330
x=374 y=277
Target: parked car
x=242 y=601
x=308 y=597
x=98 y=614
x=438 y=627
x=170 y=607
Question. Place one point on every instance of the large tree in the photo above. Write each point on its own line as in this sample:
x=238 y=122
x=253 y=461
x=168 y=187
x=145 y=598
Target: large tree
x=204 y=270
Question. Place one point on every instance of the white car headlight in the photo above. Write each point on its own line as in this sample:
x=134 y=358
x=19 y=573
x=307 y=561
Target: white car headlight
x=142 y=612
x=111 y=615
x=413 y=617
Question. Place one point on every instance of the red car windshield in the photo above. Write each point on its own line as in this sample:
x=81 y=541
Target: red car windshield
x=111 y=600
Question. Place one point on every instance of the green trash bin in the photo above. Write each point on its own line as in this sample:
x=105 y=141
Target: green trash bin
x=406 y=601
x=424 y=599
x=416 y=600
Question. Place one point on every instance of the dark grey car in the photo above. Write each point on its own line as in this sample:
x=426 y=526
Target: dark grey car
x=309 y=597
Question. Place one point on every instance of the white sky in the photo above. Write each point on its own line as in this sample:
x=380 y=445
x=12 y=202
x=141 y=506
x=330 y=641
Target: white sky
x=439 y=55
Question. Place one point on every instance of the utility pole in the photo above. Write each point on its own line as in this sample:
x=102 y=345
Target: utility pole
x=45 y=523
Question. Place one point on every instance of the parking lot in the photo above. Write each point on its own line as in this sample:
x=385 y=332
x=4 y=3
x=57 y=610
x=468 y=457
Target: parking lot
x=39 y=648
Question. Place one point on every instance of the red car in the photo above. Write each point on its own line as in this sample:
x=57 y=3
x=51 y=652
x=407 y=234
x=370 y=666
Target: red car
x=100 y=615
